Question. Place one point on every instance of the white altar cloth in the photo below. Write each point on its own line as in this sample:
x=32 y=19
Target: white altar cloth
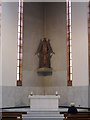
x=44 y=102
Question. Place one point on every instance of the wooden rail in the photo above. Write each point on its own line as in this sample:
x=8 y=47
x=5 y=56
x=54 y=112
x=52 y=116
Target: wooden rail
x=77 y=116
x=12 y=115
x=11 y=119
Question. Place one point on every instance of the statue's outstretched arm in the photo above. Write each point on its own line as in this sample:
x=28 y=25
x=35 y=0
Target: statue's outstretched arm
x=50 y=48
x=39 y=47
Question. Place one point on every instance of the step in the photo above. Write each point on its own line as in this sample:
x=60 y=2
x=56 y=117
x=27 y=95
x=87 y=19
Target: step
x=42 y=118
x=43 y=115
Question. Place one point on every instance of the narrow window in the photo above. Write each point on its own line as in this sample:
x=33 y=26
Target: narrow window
x=20 y=43
x=69 y=44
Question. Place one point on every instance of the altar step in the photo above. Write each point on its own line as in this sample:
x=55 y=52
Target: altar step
x=43 y=118
x=43 y=115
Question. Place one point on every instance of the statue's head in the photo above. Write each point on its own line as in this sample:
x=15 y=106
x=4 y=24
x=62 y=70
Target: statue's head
x=44 y=45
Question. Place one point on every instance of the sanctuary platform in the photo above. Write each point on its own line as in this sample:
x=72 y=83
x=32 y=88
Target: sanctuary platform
x=43 y=107
x=15 y=113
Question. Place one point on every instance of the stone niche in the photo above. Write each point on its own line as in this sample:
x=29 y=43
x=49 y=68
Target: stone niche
x=44 y=20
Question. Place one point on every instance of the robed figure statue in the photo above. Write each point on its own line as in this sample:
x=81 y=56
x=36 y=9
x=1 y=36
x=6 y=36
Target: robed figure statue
x=44 y=53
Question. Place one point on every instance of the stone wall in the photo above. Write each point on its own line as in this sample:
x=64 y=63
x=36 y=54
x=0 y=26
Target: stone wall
x=18 y=96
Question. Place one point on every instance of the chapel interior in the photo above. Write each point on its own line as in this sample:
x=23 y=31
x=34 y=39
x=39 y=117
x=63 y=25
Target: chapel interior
x=44 y=20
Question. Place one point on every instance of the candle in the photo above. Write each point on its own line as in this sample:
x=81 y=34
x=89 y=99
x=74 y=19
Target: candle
x=31 y=93
x=56 y=92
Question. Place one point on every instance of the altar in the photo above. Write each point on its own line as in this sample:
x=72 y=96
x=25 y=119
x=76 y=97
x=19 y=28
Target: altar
x=44 y=102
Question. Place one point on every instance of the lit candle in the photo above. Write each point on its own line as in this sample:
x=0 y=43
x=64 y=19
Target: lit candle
x=31 y=93
x=56 y=93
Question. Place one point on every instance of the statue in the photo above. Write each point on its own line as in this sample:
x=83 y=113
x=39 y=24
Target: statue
x=44 y=53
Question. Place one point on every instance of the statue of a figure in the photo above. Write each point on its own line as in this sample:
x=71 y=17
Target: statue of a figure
x=44 y=53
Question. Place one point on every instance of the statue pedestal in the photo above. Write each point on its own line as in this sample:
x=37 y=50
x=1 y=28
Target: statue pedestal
x=44 y=71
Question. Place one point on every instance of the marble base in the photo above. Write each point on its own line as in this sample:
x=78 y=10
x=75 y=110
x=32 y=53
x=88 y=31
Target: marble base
x=18 y=96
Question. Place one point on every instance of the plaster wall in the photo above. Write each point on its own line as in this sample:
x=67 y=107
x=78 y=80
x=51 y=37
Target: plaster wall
x=80 y=43
x=33 y=31
x=9 y=42
x=0 y=63
x=0 y=52
x=56 y=32
x=89 y=96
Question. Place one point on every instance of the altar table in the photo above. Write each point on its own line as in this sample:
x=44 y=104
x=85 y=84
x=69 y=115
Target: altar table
x=44 y=102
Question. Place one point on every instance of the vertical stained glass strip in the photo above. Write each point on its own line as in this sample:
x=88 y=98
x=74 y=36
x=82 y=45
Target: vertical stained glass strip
x=69 y=44
x=20 y=43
